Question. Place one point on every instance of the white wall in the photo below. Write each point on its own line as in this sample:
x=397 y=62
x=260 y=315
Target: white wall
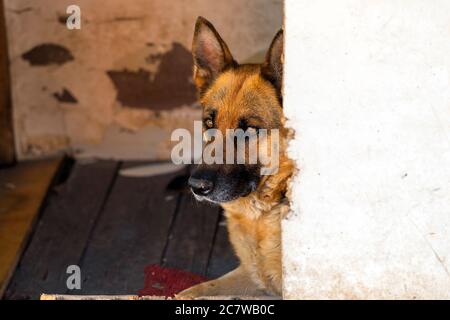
x=367 y=91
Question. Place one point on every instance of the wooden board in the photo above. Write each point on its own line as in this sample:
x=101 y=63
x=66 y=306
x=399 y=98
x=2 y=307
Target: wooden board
x=61 y=234
x=22 y=190
x=131 y=233
x=112 y=226
x=191 y=239
x=45 y=296
x=134 y=297
x=7 y=153
x=223 y=258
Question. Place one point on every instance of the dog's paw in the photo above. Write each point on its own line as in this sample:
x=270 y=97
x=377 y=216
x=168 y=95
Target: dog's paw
x=200 y=290
x=191 y=293
x=184 y=295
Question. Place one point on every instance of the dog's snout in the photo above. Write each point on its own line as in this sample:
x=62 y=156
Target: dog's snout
x=224 y=183
x=201 y=185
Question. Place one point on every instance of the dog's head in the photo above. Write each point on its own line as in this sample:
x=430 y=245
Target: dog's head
x=234 y=96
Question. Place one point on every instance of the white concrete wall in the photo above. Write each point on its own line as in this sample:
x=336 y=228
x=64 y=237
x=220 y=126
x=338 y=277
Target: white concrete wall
x=367 y=91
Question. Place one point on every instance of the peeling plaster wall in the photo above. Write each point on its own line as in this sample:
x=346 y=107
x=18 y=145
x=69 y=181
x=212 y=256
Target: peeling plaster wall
x=367 y=91
x=120 y=85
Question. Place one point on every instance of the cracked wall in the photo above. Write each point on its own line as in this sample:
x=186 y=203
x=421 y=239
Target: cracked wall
x=367 y=91
x=120 y=85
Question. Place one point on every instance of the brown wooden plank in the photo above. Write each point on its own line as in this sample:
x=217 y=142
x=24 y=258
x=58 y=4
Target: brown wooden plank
x=135 y=297
x=131 y=233
x=223 y=258
x=7 y=153
x=191 y=239
x=61 y=234
x=22 y=191
x=98 y=297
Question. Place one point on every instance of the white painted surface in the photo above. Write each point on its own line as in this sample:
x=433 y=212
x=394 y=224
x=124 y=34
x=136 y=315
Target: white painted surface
x=367 y=91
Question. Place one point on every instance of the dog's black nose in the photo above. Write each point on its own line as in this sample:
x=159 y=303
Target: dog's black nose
x=202 y=180
x=200 y=186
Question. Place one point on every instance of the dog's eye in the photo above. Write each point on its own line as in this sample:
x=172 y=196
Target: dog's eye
x=209 y=123
x=253 y=129
x=244 y=125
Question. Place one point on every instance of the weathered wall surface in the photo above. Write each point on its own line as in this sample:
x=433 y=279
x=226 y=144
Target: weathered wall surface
x=121 y=84
x=367 y=90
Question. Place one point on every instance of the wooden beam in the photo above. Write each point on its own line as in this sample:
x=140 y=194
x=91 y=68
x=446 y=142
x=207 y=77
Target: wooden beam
x=7 y=150
x=97 y=297
x=22 y=191
x=64 y=227
x=133 y=297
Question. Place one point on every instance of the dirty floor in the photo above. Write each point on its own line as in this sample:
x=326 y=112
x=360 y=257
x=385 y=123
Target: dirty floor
x=112 y=226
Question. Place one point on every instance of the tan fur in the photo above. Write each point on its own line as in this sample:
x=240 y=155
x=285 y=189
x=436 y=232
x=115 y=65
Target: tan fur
x=253 y=221
x=254 y=230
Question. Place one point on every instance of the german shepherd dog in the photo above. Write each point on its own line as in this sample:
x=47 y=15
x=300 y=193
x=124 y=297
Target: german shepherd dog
x=246 y=96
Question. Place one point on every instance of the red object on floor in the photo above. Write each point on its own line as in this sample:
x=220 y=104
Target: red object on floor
x=167 y=282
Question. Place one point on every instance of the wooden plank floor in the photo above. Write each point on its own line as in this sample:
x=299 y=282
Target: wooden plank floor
x=112 y=226
x=22 y=189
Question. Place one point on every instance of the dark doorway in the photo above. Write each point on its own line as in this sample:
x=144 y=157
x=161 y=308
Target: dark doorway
x=6 y=127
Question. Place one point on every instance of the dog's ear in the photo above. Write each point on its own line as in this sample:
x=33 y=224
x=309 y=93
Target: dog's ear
x=211 y=54
x=272 y=68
